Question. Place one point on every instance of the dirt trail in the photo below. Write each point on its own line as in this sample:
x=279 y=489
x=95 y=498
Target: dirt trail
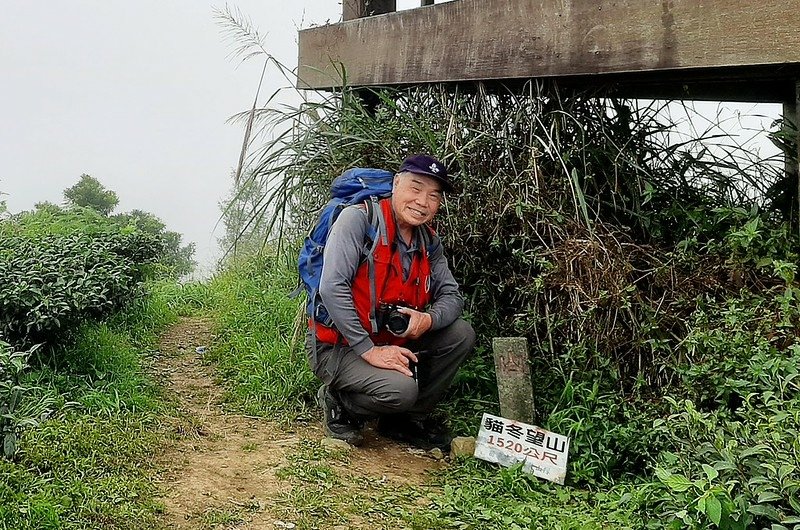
x=222 y=462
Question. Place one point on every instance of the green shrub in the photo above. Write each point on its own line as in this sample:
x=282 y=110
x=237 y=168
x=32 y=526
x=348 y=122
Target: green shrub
x=61 y=271
x=51 y=281
x=89 y=464
x=734 y=456
x=734 y=473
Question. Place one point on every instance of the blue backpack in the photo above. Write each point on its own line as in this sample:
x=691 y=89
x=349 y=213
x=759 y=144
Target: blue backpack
x=354 y=186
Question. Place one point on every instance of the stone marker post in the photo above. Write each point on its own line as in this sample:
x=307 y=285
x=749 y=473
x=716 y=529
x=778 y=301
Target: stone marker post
x=514 y=382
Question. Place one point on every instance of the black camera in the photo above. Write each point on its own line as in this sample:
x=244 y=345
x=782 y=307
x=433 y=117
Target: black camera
x=390 y=318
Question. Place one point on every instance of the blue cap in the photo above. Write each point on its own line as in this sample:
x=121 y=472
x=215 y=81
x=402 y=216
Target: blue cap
x=429 y=166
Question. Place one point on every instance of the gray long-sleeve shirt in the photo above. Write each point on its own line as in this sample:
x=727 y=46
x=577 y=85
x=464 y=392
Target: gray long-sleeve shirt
x=342 y=257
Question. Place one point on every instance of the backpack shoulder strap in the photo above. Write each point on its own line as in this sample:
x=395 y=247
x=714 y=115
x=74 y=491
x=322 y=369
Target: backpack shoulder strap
x=376 y=234
x=429 y=239
x=377 y=223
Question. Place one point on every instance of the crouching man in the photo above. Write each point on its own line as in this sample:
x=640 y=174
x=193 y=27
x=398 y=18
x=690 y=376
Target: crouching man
x=397 y=338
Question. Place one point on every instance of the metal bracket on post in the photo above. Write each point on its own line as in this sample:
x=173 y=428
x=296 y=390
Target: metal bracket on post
x=514 y=384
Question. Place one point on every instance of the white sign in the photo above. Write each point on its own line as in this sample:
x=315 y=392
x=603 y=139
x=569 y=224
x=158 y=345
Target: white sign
x=508 y=442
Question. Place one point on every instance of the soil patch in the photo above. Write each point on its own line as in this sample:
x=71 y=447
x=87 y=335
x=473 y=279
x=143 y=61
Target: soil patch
x=221 y=468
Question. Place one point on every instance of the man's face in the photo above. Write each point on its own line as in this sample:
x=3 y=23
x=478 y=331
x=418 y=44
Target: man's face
x=415 y=199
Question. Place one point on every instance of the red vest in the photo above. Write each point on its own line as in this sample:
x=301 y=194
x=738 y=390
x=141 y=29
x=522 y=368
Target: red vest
x=389 y=285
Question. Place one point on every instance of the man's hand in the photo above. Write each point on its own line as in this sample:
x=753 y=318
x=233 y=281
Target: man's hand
x=390 y=358
x=418 y=323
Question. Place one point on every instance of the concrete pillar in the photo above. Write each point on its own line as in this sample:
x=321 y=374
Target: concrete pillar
x=514 y=384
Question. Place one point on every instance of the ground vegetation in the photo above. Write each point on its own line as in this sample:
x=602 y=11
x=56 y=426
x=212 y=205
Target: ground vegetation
x=655 y=279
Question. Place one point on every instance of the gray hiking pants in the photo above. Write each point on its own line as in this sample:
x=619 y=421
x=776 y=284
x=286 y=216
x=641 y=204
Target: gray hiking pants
x=367 y=391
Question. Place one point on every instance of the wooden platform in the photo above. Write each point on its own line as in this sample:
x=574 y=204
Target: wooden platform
x=693 y=49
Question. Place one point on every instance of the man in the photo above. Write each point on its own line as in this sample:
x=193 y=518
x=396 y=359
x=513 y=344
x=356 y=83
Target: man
x=400 y=376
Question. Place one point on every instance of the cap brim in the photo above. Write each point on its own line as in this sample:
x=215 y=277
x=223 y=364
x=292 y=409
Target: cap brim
x=447 y=186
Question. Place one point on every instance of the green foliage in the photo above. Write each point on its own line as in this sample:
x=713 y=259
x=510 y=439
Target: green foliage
x=14 y=414
x=54 y=278
x=609 y=442
x=733 y=472
x=53 y=220
x=702 y=502
x=176 y=258
x=90 y=465
x=734 y=438
x=89 y=193
x=259 y=345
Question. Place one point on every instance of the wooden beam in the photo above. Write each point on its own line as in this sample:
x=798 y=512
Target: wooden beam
x=469 y=40
x=765 y=84
x=353 y=9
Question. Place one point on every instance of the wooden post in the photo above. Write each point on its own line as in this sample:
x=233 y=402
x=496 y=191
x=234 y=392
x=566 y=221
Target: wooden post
x=353 y=9
x=796 y=161
x=514 y=384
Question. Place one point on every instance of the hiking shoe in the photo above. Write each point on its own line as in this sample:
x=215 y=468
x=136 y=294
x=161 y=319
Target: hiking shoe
x=423 y=434
x=337 y=422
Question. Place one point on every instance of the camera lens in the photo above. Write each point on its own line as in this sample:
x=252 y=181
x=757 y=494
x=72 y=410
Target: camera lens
x=397 y=322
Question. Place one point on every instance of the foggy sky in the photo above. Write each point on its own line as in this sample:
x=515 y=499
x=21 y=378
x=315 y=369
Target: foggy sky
x=137 y=95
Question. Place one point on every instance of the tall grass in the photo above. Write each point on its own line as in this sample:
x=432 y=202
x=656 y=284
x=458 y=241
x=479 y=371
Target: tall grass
x=259 y=343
